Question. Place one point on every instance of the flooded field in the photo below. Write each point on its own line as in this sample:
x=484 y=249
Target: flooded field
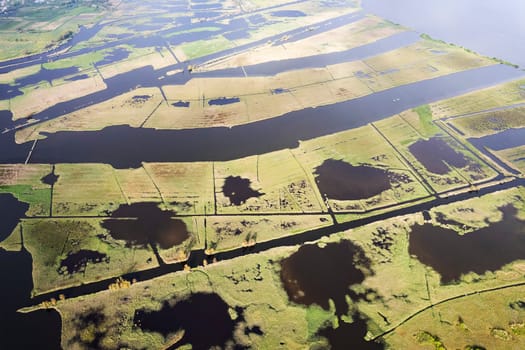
x=238 y=190
x=437 y=156
x=224 y=101
x=144 y=224
x=350 y=335
x=200 y=314
x=251 y=175
x=483 y=250
x=51 y=178
x=78 y=261
x=303 y=274
x=343 y=181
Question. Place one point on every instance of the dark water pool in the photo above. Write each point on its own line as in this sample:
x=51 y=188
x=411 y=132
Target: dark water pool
x=436 y=155
x=51 y=178
x=203 y=317
x=77 y=77
x=238 y=190
x=115 y=55
x=350 y=335
x=304 y=274
x=343 y=181
x=184 y=104
x=46 y=75
x=5 y=119
x=78 y=261
x=486 y=249
x=144 y=224
x=224 y=101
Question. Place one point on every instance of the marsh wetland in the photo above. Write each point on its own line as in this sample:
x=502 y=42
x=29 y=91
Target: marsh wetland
x=199 y=174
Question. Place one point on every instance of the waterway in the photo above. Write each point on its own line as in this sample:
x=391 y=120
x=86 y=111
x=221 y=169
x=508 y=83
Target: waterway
x=220 y=143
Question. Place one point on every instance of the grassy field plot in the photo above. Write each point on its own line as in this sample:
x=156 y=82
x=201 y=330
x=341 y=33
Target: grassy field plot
x=137 y=186
x=232 y=287
x=493 y=97
x=481 y=321
x=363 y=31
x=139 y=58
x=69 y=252
x=273 y=182
x=211 y=88
x=85 y=190
x=82 y=62
x=39 y=99
x=230 y=232
x=515 y=156
x=42 y=27
x=197 y=114
x=187 y=188
x=440 y=56
x=201 y=48
x=488 y=123
x=423 y=60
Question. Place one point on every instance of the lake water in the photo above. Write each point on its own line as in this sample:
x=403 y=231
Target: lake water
x=490 y=27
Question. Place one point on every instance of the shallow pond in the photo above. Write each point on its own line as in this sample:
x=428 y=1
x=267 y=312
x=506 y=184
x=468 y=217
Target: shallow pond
x=201 y=314
x=143 y=224
x=238 y=190
x=304 y=274
x=436 y=155
x=343 y=181
x=480 y=251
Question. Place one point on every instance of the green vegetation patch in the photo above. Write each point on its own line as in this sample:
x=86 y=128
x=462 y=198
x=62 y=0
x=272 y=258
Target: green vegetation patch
x=82 y=62
x=69 y=252
x=426 y=126
x=201 y=48
x=39 y=199
x=424 y=337
x=491 y=122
